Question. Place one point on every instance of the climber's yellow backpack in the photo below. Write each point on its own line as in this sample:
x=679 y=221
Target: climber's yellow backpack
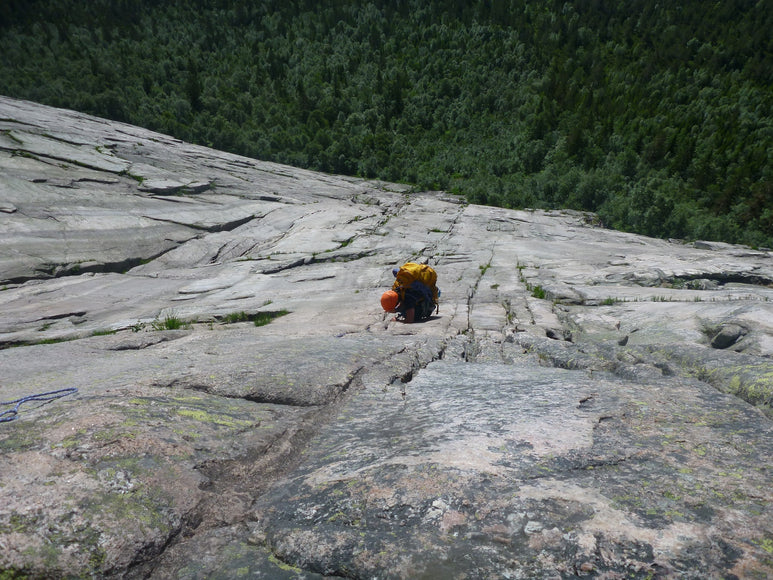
x=411 y=272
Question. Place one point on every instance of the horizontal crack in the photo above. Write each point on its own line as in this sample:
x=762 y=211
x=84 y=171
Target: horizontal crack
x=223 y=227
x=62 y=270
x=64 y=315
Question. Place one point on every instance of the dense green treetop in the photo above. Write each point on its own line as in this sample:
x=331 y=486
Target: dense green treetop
x=658 y=116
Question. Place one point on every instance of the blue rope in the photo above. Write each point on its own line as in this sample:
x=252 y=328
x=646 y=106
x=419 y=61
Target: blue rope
x=11 y=414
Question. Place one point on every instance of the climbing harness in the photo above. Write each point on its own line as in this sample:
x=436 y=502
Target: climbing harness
x=11 y=414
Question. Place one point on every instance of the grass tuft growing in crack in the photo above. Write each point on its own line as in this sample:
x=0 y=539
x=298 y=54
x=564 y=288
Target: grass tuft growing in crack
x=537 y=291
x=258 y=319
x=105 y=332
x=170 y=322
x=263 y=318
x=235 y=317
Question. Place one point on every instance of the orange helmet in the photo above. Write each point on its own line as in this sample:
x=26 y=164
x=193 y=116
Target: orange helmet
x=389 y=300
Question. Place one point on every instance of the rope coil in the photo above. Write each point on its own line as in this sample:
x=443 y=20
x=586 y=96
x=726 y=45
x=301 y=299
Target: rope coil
x=12 y=414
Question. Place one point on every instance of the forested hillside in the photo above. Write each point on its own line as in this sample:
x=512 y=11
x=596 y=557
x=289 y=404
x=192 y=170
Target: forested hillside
x=655 y=115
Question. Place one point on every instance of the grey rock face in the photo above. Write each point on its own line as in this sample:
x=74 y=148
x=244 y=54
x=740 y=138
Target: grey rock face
x=585 y=403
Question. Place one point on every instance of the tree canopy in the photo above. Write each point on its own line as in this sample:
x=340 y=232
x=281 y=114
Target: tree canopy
x=654 y=115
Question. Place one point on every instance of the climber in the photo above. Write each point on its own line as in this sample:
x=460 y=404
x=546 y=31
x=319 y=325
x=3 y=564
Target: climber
x=414 y=294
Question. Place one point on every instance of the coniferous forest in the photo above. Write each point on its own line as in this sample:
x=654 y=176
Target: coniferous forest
x=655 y=115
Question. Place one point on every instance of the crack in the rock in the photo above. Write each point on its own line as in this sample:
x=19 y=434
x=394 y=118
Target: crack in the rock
x=726 y=278
x=318 y=259
x=221 y=227
x=47 y=271
x=286 y=266
x=470 y=348
x=335 y=256
x=78 y=163
x=149 y=552
x=18 y=122
x=270 y=399
x=78 y=314
x=251 y=473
